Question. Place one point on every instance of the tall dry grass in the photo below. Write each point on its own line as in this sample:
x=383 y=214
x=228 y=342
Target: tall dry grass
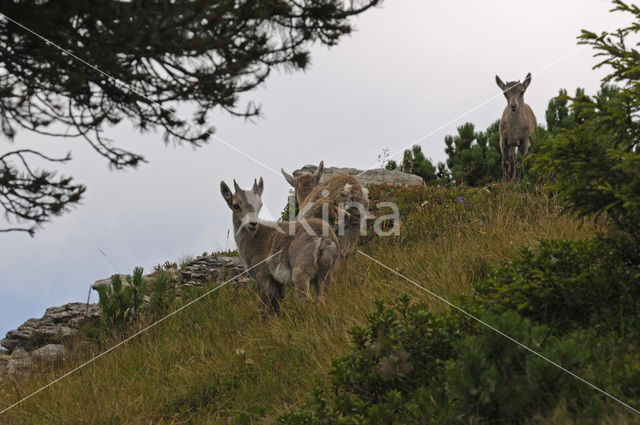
x=220 y=362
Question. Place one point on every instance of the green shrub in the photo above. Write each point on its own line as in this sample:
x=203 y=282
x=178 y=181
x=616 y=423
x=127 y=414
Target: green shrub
x=577 y=303
x=595 y=164
x=162 y=296
x=496 y=379
x=120 y=304
x=394 y=371
x=569 y=284
x=414 y=162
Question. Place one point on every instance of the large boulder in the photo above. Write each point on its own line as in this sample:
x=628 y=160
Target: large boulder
x=367 y=178
x=48 y=352
x=107 y=281
x=216 y=268
x=56 y=324
x=21 y=360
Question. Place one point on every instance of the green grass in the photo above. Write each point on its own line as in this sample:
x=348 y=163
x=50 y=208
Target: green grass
x=220 y=362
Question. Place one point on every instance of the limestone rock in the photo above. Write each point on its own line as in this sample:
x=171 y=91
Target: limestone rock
x=48 y=352
x=19 y=362
x=369 y=177
x=56 y=324
x=107 y=281
x=217 y=268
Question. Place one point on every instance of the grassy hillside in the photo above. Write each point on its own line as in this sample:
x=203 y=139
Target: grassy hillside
x=219 y=362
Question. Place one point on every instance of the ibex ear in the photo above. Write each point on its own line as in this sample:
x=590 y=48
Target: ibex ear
x=500 y=83
x=290 y=179
x=236 y=186
x=226 y=193
x=318 y=173
x=258 y=187
x=527 y=81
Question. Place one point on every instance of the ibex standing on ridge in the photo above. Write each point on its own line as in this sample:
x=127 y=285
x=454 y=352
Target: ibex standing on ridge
x=340 y=199
x=516 y=126
x=306 y=250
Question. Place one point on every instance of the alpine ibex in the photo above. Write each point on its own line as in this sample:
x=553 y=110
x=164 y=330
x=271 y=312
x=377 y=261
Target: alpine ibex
x=306 y=251
x=340 y=199
x=516 y=126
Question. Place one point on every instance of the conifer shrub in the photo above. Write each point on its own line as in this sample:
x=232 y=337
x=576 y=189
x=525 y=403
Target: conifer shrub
x=394 y=372
x=570 y=284
x=573 y=302
x=594 y=164
x=120 y=304
x=162 y=296
x=493 y=378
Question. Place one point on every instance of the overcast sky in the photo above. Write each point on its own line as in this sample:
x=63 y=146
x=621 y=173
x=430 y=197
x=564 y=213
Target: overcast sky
x=412 y=68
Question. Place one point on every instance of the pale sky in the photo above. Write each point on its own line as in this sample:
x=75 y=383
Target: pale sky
x=411 y=67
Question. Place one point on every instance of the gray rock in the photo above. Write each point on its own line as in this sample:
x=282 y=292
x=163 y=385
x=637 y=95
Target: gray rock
x=43 y=336
x=48 y=352
x=107 y=282
x=56 y=324
x=217 y=268
x=369 y=177
x=19 y=362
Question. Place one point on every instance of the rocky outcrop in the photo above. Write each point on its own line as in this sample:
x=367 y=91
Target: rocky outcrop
x=17 y=362
x=369 y=177
x=40 y=339
x=213 y=267
x=56 y=324
x=20 y=360
x=48 y=352
x=107 y=281
x=198 y=272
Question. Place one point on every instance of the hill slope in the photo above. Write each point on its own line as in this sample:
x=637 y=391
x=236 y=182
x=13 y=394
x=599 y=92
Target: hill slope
x=218 y=361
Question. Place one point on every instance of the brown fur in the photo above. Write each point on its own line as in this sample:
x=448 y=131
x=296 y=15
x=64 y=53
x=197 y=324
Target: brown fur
x=304 y=183
x=309 y=249
x=516 y=126
x=340 y=196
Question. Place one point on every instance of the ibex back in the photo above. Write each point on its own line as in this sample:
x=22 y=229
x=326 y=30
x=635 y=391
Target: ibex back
x=340 y=200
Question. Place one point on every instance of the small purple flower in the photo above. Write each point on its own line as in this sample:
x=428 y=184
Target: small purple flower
x=459 y=198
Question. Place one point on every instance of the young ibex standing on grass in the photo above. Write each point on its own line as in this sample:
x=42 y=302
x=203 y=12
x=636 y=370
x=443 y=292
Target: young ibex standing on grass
x=516 y=126
x=340 y=199
x=307 y=249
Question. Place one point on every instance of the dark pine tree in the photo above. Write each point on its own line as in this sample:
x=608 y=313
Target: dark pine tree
x=474 y=157
x=146 y=58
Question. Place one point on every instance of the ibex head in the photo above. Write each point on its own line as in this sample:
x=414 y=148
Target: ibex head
x=245 y=204
x=514 y=92
x=304 y=183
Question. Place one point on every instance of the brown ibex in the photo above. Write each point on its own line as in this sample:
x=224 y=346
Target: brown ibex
x=516 y=126
x=340 y=199
x=307 y=250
